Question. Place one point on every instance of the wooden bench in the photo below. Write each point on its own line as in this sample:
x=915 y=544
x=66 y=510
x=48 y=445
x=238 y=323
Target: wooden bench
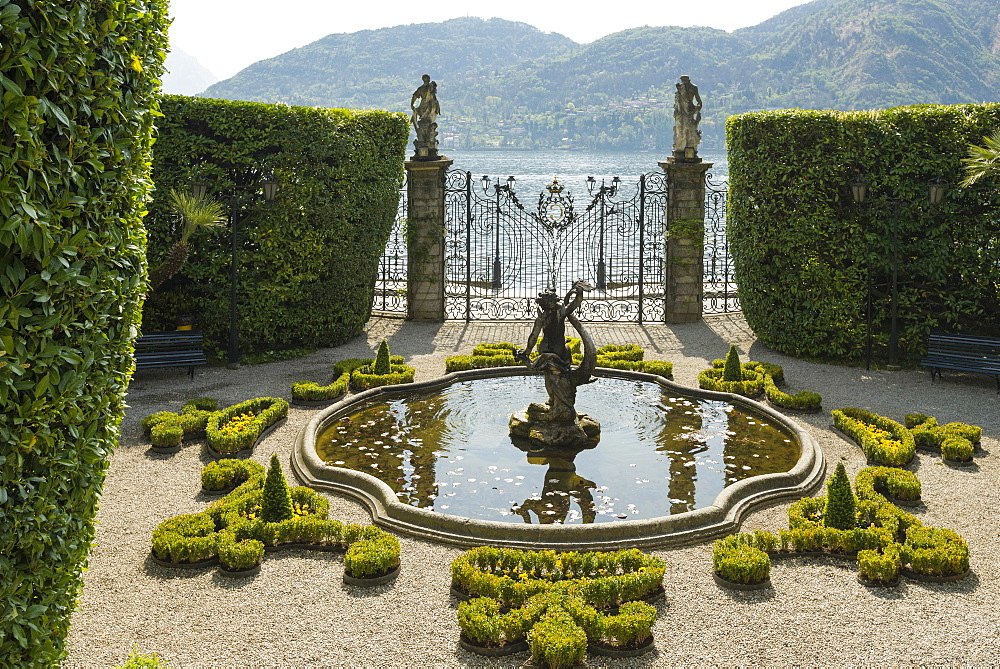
x=179 y=348
x=963 y=353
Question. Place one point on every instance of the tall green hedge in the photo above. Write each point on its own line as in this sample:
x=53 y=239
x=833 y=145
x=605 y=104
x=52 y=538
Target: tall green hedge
x=306 y=261
x=803 y=250
x=79 y=83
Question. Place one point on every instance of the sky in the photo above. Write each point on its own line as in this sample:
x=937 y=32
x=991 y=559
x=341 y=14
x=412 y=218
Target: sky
x=227 y=35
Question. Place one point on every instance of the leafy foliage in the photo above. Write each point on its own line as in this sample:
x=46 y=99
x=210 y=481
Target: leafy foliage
x=731 y=371
x=382 y=359
x=886 y=539
x=839 y=511
x=276 y=503
x=306 y=262
x=78 y=94
x=804 y=252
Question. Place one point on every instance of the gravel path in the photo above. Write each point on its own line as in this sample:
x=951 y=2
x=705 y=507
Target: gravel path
x=297 y=612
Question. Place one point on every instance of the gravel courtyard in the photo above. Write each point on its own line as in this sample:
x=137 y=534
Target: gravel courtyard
x=297 y=612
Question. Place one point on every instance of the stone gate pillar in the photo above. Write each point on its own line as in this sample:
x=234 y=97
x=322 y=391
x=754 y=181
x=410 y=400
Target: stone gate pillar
x=685 y=222
x=425 y=233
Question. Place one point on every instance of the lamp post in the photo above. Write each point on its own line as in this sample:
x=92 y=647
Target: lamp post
x=602 y=193
x=508 y=187
x=936 y=189
x=268 y=187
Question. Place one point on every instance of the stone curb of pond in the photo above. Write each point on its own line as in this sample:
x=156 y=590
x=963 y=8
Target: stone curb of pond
x=723 y=517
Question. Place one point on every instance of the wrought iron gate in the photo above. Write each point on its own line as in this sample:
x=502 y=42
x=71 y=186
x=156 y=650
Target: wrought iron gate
x=390 y=284
x=719 y=283
x=500 y=253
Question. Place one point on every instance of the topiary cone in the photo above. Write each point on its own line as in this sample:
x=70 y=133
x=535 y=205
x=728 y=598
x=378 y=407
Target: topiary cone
x=382 y=358
x=839 y=511
x=732 y=371
x=276 y=501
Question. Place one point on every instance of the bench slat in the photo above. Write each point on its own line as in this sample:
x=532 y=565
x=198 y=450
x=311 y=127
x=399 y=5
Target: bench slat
x=964 y=354
x=181 y=348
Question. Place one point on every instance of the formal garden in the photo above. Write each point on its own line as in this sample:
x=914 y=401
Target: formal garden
x=815 y=498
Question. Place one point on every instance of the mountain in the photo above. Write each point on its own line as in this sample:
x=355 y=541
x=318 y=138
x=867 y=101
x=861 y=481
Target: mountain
x=380 y=68
x=185 y=75
x=503 y=83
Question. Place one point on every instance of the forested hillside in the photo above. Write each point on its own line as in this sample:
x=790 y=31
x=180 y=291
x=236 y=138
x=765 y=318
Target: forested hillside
x=503 y=83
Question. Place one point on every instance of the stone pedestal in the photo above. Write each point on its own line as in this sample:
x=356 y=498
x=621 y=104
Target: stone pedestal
x=530 y=431
x=425 y=224
x=685 y=221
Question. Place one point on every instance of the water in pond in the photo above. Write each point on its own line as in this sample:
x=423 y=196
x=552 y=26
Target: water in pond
x=660 y=453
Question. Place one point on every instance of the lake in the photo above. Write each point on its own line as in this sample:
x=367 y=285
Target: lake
x=534 y=170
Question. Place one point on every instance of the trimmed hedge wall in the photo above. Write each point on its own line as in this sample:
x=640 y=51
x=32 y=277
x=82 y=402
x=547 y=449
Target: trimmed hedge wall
x=79 y=88
x=306 y=261
x=802 y=248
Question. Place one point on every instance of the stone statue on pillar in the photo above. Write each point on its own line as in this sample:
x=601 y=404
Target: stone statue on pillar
x=687 y=116
x=425 y=108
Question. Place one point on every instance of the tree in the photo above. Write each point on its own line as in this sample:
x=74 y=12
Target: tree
x=276 y=500
x=732 y=371
x=382 y=359
x=194 y=213
x=839 y=510
x=983 y=161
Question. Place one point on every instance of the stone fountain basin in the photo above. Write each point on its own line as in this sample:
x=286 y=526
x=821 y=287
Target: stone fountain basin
x=722 y=517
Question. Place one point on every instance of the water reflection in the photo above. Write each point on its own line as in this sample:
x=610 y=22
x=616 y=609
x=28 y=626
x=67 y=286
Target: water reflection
x=660 y=453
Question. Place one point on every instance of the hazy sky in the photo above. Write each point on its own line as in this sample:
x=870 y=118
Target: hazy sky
x=227 y=35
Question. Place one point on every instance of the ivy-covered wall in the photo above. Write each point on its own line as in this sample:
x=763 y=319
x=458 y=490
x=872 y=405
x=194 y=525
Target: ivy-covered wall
x=307 y=260
x=803 y=249
x=78 y=87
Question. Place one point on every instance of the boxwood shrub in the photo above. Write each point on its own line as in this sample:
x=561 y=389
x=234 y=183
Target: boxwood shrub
x=758 y=377
x=803 y=250
x=79 y=84
x=197 y=537
x=262 y=412
x=883 y=441
x=310 y=391
x=886 y=441
x=307 y=261
x=885 y=538
x=228 y=473
x=515 y=591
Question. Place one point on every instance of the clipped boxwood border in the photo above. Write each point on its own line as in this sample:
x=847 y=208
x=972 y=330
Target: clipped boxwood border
x=887 y=542
x=858 y=423
x=268 y=411
x=191 y=541
x=511 y=592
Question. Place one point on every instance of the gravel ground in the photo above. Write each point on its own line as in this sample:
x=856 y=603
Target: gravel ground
x=297 y=612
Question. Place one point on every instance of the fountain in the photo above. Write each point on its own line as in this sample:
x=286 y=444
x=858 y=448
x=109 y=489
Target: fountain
x=459 y=459
x=555 y=427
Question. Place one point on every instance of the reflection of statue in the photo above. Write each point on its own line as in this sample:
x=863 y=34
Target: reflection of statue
x=687 y=116
x=562 y=486
x=425 y=107
x=556 y=423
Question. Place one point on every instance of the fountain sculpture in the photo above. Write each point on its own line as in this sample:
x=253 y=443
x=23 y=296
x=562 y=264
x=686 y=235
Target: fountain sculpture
x=555 y=425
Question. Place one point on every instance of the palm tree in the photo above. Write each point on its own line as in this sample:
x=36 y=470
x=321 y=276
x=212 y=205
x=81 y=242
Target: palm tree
x=983 y=161
x=194 y=213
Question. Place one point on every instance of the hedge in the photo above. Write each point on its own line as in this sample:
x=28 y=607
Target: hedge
x=516 y=594
x=198 y=537
x=306 y=261
x=802 y=248
x=885 y=539
x=79 y=90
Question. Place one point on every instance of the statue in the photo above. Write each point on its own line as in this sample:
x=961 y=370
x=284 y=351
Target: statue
x=556 y=424
x=687 y=116
x=425 y=108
